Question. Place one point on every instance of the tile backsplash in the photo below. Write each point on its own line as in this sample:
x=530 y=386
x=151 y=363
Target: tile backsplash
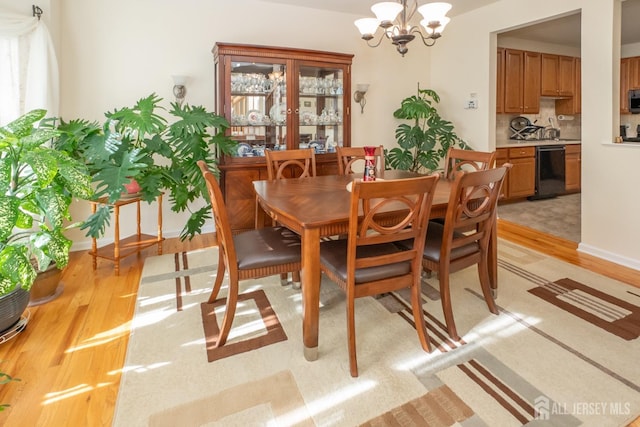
x=568 y=128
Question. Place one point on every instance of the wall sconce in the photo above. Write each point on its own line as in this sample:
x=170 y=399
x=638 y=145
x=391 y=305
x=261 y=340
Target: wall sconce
x=179 y=88
x=358 y=95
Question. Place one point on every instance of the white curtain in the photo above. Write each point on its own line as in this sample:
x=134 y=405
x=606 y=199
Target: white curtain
x=28 y=67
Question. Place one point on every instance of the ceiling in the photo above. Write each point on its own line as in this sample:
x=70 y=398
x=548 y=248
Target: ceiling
x=564 y=30
x=363 y=7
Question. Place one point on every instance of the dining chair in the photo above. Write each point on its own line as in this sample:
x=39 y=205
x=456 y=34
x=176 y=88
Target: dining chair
x=368 y=262
x=347 y=156
x=463 y=239
x=249 y=255
x=286 y=164
x=458 y=159
x=299 y=163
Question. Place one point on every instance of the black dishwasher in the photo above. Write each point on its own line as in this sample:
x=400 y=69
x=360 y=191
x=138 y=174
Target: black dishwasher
x=549 y=171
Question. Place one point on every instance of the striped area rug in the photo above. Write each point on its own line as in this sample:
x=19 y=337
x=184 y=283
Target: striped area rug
x=563 y=351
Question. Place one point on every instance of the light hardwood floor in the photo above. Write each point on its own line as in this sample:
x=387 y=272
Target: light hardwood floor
x=70 y=356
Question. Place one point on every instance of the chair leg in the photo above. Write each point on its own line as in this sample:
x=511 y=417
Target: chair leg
x=483 y=273
x=284 y=279
x=297 y=283
x=445 y=298
x=229 y=312
x=219 y=278
x=418 y=317
x=351 y=336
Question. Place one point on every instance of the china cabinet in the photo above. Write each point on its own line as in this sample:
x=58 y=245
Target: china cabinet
x=278 y=99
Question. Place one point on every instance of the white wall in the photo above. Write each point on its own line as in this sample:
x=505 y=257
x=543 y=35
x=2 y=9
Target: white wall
x=466 y=63
x=115 y=52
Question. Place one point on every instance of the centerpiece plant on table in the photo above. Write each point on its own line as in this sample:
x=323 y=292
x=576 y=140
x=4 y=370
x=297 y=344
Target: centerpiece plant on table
x=139 y=143
x=424 y=141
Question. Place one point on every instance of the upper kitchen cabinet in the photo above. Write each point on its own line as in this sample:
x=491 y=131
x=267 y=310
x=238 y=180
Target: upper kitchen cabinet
x=558 y=75
x=278 y=99
x=572 y=105
x=500 y=81
x=521 y=81
x=624 y=85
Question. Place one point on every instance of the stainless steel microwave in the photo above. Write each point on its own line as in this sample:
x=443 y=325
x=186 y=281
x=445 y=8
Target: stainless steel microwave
x=634 y=101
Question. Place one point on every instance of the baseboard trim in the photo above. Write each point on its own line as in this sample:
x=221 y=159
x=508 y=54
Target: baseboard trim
x=609 y=256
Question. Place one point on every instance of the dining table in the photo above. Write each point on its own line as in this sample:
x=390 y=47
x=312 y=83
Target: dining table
x=318 y=207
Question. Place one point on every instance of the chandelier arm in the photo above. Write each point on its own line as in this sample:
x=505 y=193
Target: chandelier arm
x=382 y=35
x=428 y=40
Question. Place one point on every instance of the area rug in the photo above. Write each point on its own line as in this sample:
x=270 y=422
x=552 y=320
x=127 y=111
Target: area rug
x=563 y=351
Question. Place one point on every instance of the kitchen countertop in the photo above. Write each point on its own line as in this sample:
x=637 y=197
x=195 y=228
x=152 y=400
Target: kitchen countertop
x=510 y=143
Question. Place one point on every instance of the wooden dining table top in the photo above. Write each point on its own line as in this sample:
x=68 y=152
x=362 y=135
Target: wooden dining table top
x=323 y=201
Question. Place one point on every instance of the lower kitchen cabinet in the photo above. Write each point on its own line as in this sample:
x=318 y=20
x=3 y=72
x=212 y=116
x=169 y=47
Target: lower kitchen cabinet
x=522 y=176
x=521 y=179
x=572 y=160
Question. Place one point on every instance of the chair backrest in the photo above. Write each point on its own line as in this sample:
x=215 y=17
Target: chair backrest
x=347 y=156
x=469 y=160
x=291 y=163
x=369 y=225
x=220 y=218
x=472 y=208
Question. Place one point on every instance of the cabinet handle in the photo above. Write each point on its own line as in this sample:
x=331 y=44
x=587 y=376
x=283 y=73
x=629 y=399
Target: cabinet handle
x=297 y=111
x=288 y=110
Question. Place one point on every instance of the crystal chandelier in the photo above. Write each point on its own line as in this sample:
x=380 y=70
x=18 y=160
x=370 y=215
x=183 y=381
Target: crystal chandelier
x=394 y=20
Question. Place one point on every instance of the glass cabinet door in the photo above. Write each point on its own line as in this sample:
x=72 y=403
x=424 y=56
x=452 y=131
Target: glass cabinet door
x=258 y=101
x=320 y=107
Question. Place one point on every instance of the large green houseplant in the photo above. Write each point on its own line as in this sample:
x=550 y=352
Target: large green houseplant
x=424 y=141
x=37 y=185
x=139 y=143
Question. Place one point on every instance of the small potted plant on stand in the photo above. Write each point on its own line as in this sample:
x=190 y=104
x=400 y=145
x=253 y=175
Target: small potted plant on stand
x=37 y=185
x=424 y=142
x=139 y=143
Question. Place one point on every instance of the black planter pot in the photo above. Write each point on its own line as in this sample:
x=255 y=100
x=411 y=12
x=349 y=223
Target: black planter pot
x=12 y=306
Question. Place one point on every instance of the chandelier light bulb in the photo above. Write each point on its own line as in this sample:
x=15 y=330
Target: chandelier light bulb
x=386 y=11
x=367 y=26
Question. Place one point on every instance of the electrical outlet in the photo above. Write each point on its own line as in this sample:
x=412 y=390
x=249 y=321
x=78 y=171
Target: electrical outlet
x=472 y=104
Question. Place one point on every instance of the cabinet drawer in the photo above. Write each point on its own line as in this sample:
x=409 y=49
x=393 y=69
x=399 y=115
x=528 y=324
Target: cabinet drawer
x=515 y=153
x=572 y=149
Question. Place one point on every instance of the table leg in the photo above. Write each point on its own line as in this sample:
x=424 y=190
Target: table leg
x=310 y=291
x=159 y=224
x=116 y=241
x=94 y=243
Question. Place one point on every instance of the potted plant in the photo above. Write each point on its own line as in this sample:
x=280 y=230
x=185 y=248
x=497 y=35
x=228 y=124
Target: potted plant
x=424 y=142
x=37 y=184
x=139 y=143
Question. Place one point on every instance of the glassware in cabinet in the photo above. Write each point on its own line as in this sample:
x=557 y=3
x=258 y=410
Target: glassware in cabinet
x=321 y=107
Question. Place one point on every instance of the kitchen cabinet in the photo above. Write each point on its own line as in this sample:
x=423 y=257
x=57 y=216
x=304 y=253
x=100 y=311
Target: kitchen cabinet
x=500 y=81
x=277 y=99
x=557 y=75
x=624 y=85
x=521 y=180
x=521 y=81
x=634 y=72
x=572 y=158
x=573 y=105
